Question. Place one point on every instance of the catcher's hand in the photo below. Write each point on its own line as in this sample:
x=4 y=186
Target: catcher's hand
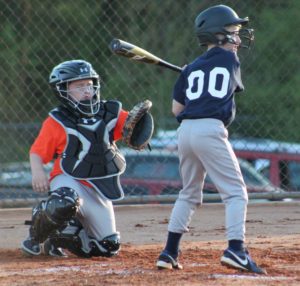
x=138 y=127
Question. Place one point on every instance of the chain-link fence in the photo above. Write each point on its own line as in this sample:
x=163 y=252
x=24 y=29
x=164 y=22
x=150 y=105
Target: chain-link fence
x=37 y=35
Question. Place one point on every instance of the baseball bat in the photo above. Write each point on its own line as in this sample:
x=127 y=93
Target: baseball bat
x=138 y=54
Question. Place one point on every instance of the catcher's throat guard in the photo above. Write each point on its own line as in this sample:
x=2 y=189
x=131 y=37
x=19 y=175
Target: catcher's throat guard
x=139 y=126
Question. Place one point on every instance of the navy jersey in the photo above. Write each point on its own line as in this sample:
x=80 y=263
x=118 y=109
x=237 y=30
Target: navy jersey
x=206 y=87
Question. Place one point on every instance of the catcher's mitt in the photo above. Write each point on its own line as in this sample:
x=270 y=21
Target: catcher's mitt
x=138 y=127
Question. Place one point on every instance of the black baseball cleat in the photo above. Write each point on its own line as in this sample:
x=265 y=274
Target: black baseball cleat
x=30 y=247
x=166 y=261
x=240 y=260
x=51 y=250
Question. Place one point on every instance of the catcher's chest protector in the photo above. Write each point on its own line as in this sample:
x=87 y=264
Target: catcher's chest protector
x=89 y=154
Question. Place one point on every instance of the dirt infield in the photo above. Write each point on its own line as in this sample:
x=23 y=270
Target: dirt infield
x=273 y=238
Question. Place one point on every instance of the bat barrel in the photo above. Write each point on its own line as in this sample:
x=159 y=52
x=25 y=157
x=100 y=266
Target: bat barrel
x=135 y=53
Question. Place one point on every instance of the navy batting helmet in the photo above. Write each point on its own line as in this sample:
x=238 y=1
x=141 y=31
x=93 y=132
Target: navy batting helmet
x=214 y=20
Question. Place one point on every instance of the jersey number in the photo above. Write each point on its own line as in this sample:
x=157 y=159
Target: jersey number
x=195 y=90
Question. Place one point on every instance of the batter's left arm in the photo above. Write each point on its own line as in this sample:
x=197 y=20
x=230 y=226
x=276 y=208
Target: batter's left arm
x=177 y=107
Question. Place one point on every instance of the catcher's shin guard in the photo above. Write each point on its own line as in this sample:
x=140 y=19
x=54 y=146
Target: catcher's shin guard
x=73 y=238
x=53 y=214
x=108 y=246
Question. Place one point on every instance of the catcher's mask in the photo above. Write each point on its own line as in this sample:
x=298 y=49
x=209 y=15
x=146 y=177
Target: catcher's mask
x=85 y=85
x=214 y=20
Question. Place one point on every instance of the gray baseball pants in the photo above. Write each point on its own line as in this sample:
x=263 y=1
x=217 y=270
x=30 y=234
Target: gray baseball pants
x=203 y=147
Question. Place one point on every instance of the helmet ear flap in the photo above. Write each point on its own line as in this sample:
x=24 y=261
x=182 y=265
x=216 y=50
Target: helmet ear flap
x=210 y=38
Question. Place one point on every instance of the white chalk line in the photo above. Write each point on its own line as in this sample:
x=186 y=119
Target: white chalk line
x=61 y=270
x=96 y=269
x=252 y=277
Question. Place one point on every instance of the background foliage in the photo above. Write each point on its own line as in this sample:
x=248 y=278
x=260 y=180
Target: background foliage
x=37 y=35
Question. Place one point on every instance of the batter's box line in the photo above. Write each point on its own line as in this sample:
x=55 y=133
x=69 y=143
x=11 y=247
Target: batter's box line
x=252 y=277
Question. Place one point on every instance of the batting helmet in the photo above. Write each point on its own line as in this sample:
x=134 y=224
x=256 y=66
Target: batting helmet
x=213 y=21
x=70 y=71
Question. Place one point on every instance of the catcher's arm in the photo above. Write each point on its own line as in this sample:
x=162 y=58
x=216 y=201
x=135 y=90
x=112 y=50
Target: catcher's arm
x=139 y=126
x=40 y=182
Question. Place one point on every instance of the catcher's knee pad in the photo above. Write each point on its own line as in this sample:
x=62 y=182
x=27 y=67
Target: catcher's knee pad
x=54 y=213
x=108 y=246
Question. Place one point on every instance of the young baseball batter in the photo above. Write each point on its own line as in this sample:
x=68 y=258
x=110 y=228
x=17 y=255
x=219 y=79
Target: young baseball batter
x=80 y=135
x=203 y=103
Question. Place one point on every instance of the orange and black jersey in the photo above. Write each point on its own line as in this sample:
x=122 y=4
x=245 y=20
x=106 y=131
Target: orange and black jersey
x=52 y=140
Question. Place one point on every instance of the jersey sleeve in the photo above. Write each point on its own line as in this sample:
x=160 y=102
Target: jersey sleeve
x=238 y=80
x=50 y=137
x=179 y=89
x=236 y=70
x=119 y=126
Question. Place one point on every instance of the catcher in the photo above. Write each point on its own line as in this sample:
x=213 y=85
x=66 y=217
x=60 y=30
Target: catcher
x=80 y=136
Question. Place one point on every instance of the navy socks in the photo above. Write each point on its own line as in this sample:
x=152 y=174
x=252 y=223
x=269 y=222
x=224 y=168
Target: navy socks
x=172 y=245
x=236 y=245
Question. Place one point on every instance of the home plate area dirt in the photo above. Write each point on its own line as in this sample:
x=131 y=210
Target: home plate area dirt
x=273 y=240
x=135 y=265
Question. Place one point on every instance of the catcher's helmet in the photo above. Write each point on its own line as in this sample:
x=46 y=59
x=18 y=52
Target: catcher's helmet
x=70 y=71
x=213 y=21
